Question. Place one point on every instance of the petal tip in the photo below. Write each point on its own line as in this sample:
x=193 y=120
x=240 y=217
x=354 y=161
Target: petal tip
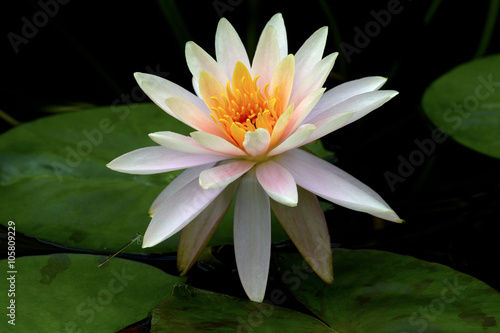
x=145 y=246
x=393 y=93
x=327 y=276
x=148 y=242
x=290 y=202
x=140 y=77
x=202 y=183
x=222 y=21
x=182 y=271
x=256 y=298
x=111 y=165
x=277 y=15
x=286 y=201
x=393 y=217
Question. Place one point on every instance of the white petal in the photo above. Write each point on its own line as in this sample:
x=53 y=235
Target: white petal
x=177 y=184
x=178 y=211
x=279 y=25
x=257 y=142
x=362 y=104
x=314 y=79
x=303 y=110
x=328 y=125
x=216 y=143
x=309 y=54
x=198 y=60
x=224 y=174
x=192 y=116
x=267 y=57
x=159 y=159
x=252 y=236
x=278 y=183
x=333 y=184
x=345 y=91
x=195 y=236
x=160 y=89
x=295 y=140
x=228 y=47
x=181 y=142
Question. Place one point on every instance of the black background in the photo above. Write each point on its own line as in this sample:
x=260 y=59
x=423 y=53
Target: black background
x=86 y=54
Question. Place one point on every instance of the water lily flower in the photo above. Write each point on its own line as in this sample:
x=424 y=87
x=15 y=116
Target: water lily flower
x=250 y=120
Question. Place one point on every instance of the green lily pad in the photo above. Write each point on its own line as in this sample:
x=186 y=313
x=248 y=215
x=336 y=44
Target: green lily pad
x=55 y=184
x=69 y=293
x=373 y=292
x=194 y=310
x=465 y=104
x=377 y=292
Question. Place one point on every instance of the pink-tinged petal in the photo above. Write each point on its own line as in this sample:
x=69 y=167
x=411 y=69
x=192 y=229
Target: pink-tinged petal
x=159 y=89
x=175 y=213
x=345 y=91
x=362 y=104
x=281 y=125
x=252 y=236
x=257 y=142
x=192 y=116
x=182 y=143
x=198 y=60
x=328 y=125
x=314 y=79
x=333 y=184
x=224 y=174
x=295 y=140
x=176 y=185
x=158 y=159
x=303 y=110
x=283 y=79
x=278 y=183
x=267 y=56
x=309 y=54
x=307 y=228
x=217 y=143
x=279 y=25
x=195 y=236
x=228 y=47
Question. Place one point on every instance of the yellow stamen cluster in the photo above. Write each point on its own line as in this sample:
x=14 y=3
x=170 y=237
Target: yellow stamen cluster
x=244 y=107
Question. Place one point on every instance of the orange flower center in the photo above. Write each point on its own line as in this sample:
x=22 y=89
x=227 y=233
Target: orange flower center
x=244 y=107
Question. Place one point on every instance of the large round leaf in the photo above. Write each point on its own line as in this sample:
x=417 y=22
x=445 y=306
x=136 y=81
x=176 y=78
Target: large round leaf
x=69 y=293
x=194 y=310
x=55 y=184
x=377 y=292
x=465 y=104
x=373 y=292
